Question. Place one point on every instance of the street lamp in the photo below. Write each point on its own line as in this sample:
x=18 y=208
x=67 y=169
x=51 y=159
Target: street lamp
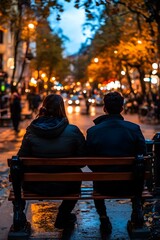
x=123 y=73
x=155 y=66
x=155 y=72
x=27 y=55
x=139 y=42
x=31 y=26
x=96 y=60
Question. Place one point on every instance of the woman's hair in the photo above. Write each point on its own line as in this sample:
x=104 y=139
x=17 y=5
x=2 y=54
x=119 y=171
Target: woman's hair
x=53 y=105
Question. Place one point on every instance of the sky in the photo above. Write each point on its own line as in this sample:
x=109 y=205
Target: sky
x=71 y=23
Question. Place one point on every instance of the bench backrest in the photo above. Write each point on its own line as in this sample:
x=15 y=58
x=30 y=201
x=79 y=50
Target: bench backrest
x=139 y=163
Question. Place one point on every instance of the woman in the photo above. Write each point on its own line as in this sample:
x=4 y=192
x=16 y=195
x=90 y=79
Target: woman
x=51 y=135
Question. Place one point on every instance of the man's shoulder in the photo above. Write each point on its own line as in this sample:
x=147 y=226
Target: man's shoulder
x=130 y=124
x=94 y=128
x=121 y=123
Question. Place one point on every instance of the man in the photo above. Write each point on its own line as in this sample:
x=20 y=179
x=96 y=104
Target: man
x=112 y=136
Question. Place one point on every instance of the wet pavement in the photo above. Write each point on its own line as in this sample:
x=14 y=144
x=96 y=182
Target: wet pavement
x=87 y=226
x=42 y=214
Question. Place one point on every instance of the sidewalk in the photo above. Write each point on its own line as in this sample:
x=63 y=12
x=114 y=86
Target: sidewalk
x=42 y=215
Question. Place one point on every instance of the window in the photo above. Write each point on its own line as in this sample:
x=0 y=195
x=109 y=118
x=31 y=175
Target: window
x=1 y=36
x=1 y=61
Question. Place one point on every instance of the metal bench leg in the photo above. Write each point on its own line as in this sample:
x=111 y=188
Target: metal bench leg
x=136 y=227
x=20 y=228
x=137 y=217
x=19 y=217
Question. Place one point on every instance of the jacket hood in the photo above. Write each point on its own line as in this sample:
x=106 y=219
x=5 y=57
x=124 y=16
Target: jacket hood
x=48 y=127
x=105 y=117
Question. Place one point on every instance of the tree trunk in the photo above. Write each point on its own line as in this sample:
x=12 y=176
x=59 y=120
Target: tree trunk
x=17 y=41
x=129 y=79
x=141 y=76
x=23 y=64
x=14 y=88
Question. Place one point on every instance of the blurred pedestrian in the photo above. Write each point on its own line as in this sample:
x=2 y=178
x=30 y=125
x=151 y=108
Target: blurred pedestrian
x=15 y=110
x=112 y=136
x=35 y=102
x=157 y=107
x=87 y=105
x=51 y=135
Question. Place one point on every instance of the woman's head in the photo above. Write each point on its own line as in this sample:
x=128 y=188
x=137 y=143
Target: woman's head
x=53 y=105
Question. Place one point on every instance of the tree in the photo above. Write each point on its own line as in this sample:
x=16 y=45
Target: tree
x=144 y=11
x=17 y=14
x=49 y=57
x=149 y=10
x=119 y=49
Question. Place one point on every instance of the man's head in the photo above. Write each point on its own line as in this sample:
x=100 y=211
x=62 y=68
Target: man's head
x=113 y=103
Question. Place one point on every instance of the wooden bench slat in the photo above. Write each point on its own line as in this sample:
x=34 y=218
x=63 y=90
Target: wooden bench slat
x=77 y=176
x=83 y=176
x=79 y=161
x=85 y=194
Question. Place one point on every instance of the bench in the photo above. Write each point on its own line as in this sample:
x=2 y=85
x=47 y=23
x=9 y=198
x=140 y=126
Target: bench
x=25 y=116
x=3 y=111
x=142 y=171
x=5 y=118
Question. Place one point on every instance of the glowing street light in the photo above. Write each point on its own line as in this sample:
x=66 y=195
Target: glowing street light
x=155 y=66
x=96 y=60
x=139 y=42
x=31 y=26
x=123 y=73
x=43 y=75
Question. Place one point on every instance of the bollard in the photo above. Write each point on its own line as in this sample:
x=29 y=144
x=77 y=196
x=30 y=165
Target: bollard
x=156 y=139
x=150 y=166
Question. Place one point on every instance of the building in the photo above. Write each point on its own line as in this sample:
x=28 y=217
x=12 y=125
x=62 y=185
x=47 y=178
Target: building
x=6 y=57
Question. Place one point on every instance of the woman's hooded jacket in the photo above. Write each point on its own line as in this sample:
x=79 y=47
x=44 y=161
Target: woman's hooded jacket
x=52 y=137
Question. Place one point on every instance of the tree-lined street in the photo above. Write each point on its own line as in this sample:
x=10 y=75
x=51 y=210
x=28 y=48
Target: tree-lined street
x=121 y=53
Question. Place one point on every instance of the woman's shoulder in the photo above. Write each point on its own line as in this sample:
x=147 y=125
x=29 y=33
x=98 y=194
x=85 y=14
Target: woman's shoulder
x=72 y=127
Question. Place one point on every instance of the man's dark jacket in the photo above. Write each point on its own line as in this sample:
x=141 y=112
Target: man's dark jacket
x=112 y=136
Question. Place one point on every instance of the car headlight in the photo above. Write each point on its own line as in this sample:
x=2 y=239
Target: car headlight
x=69 y=101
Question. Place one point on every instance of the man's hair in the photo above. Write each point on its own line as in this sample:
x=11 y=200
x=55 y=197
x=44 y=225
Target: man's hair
x=113 y=102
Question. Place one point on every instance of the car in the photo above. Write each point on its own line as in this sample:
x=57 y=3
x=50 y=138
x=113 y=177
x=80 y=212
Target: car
x=99 y=100
x=74 y=100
